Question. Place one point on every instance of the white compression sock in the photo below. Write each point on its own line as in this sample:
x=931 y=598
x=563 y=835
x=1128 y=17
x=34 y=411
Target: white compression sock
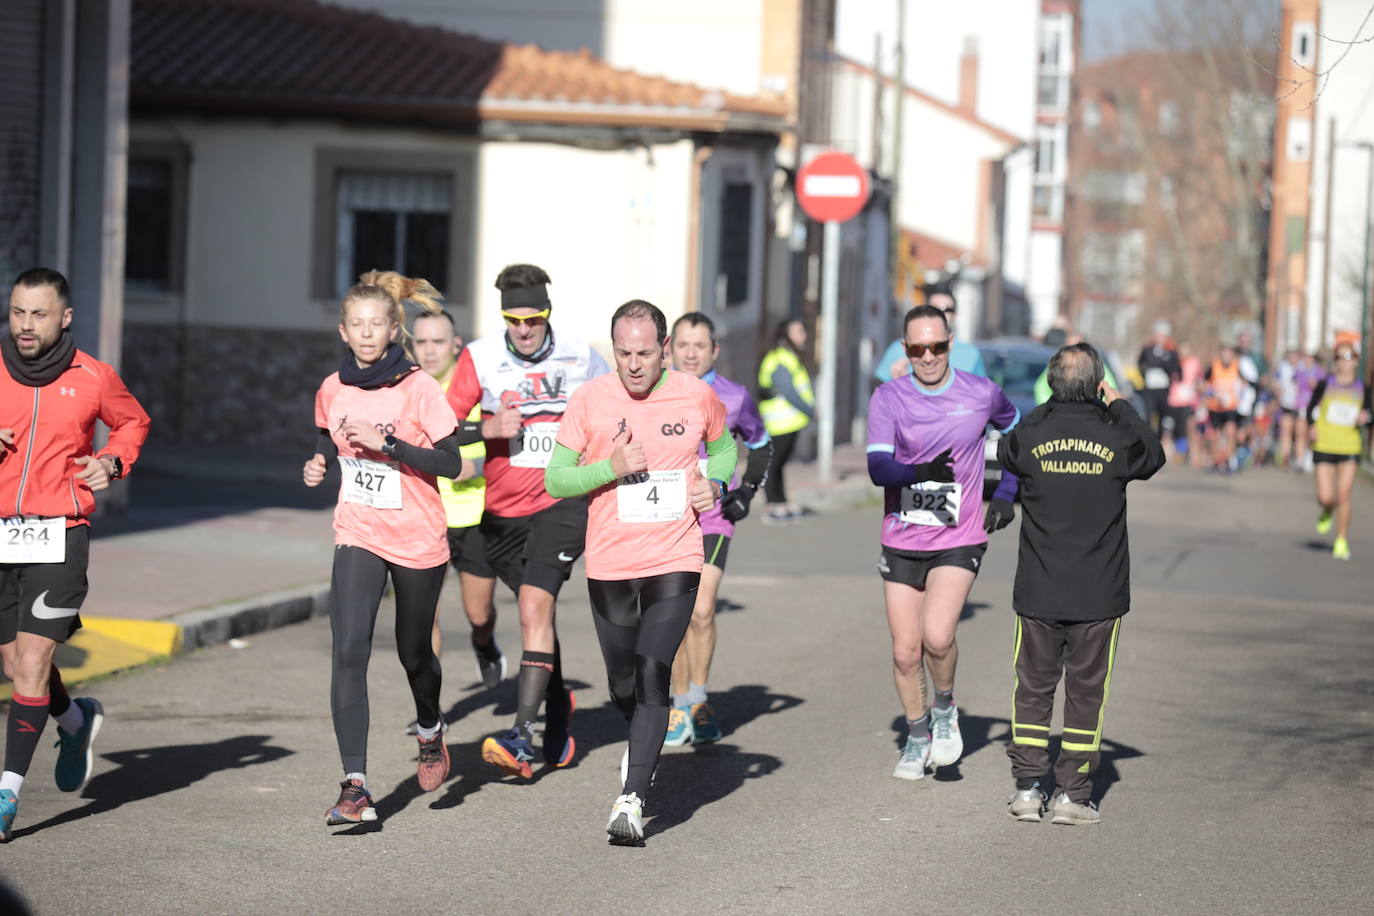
x=12 y=781
x=361 y=777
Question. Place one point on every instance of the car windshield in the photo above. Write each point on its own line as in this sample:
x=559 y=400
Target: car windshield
x=1014 y=372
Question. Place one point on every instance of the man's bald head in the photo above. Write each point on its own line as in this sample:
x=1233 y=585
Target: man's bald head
x=1075 y=373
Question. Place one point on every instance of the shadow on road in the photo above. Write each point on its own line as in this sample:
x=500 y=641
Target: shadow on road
x=971 y=608
x=152 y=771
x=686 y=783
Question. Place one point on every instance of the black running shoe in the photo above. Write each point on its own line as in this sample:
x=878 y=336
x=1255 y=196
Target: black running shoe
x=491 y=664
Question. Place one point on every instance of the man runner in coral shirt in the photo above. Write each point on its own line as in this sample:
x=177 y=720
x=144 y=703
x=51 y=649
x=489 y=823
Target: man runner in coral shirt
x=522 y=380
x=51 y=394
x=632 y=442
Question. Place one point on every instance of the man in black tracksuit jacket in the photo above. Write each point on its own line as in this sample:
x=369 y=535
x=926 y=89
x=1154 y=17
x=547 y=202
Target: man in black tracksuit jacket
x=1074 y=455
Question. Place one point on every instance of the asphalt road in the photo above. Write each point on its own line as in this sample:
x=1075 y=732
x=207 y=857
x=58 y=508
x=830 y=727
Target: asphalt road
x=1237 y=771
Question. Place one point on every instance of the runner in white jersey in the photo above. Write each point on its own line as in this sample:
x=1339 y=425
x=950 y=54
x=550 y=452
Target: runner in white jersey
x=522 y=380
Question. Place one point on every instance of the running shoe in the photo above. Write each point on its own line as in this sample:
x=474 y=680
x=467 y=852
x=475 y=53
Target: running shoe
x=510 y=752
x=1027 y=804
x=559 y=745
x=1341 y=549
x=1324 y=522
x=626 y=826
x=915 y=758
x=946 y=744
x=354 y=805
x=704 y=726
x=491 y=664
x=9 y=807
x=432 y=768
x=74 y=751
x=1072 y=812
x=679 y=727
x=777 y=517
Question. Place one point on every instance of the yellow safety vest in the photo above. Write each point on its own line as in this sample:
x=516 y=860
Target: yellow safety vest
x=465 y=499
x=779 y=416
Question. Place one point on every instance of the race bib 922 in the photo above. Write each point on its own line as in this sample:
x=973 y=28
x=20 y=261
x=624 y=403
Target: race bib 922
x=931 y=503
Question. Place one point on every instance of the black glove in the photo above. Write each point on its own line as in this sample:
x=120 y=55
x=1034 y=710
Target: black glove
x=999 y=515
x=940 y=468
x=734 y=505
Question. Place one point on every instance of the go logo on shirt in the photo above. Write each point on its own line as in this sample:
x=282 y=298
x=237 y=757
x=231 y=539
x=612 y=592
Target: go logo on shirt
x=674 y=429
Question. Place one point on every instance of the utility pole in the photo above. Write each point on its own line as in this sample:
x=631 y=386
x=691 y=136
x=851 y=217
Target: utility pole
x=1326 y=237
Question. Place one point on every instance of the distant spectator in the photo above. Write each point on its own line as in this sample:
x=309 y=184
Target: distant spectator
x=1159 y=369
x=788 y=406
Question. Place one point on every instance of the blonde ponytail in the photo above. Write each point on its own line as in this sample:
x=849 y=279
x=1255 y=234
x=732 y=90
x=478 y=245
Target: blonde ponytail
x=393 y=289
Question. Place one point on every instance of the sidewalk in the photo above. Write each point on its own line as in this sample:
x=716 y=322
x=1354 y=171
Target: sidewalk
x=218 y=545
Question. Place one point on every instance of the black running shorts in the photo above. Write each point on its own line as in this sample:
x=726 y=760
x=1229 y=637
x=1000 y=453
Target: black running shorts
x=910 y=567
x=467 y=551
x=717 y=549
x=45 y=598
x=537 y=549
x=1331 y=458
x=1220 y=418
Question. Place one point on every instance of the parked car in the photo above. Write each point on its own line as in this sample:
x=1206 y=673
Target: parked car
x=1014 y=363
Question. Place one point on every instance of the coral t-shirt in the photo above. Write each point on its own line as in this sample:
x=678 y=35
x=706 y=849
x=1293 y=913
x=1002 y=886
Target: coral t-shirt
x=644 y=525
x=386 y=507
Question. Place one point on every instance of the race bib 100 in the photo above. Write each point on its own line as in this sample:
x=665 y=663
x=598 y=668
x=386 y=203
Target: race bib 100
x=534 y=447
x=370 y=483
x=33 y=540
x=931 y=503
x=652 y=496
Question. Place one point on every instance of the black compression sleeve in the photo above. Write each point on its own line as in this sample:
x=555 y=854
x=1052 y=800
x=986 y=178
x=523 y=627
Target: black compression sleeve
x=756 y=471
x=469 y=432
x=441 y=461
x=1318 y=392
x=325 y=445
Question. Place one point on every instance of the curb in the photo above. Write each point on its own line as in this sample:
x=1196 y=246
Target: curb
x=223 y=622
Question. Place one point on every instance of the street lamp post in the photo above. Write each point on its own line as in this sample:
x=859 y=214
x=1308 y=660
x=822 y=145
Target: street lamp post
x=1364 y=276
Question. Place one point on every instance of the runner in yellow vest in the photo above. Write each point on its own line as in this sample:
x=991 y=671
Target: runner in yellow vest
x=1340 y=406
x=437 y=344
x=787 y=406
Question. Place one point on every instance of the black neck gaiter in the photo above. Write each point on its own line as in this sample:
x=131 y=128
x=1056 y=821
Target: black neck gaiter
x=42 y=370
x=389 y=370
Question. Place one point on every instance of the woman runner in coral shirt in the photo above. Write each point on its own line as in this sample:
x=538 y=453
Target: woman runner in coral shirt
x=392 y=432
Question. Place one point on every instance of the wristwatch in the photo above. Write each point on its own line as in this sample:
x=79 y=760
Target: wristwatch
x=118 y=471
x=389 y=446
x=720 y=483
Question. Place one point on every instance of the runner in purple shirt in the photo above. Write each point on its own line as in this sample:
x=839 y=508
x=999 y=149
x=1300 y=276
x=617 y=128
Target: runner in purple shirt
x=695 y=350
x=925 y=448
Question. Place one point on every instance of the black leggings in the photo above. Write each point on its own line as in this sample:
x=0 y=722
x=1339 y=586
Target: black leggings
x=773 y=489
x=354 y=594
x=640 y=624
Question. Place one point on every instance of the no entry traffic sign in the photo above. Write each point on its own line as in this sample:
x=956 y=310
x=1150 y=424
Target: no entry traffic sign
x=833 y=187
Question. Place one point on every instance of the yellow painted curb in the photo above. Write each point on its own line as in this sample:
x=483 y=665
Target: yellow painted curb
x=107 y=644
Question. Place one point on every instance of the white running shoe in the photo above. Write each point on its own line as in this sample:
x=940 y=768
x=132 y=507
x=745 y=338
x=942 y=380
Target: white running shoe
x=1027 y=804
x=626 y=826
x=946 y=745
x=1073 y=813
x=915 y=758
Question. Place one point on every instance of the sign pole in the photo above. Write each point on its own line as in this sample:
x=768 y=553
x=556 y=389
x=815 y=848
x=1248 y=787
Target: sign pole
x=830 y=325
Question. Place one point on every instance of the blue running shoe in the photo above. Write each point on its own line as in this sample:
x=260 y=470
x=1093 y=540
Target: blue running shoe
x=705 y=729
x=74 y=755
x=9 y=807
x=510 y=752
x=679 y=727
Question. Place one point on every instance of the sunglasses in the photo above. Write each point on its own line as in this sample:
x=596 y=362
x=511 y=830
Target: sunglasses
x=1345 y=355
x=533 y=321
x=916 y=351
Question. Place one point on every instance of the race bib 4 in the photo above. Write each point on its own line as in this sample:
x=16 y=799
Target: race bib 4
x=652 y=496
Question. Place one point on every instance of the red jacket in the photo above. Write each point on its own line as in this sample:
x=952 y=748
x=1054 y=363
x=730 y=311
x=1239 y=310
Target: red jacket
x=53 y=426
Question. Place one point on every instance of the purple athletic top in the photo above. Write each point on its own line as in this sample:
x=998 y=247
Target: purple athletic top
x=741 y=419
x=1307 y=378
x=915 y=424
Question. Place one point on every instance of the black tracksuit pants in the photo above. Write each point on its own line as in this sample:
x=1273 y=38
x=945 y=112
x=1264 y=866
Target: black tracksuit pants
x=1083 y=652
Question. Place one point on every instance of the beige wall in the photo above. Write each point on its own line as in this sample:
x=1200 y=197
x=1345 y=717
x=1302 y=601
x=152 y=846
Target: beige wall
x=607 y=225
